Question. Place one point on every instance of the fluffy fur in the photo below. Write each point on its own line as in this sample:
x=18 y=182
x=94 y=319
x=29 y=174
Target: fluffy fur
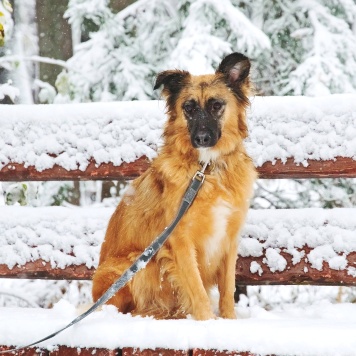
x=202 y=250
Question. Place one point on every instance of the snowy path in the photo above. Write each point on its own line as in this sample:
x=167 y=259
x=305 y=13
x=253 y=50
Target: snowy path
x=323 y=329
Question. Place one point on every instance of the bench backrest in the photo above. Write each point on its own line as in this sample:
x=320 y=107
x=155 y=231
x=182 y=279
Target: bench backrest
x=291 y=137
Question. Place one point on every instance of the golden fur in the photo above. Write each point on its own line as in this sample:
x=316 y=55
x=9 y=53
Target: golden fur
x=202 y=250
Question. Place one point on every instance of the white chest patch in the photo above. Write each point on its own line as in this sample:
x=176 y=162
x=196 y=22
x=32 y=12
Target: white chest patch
x=207 y=155
x=220 y=213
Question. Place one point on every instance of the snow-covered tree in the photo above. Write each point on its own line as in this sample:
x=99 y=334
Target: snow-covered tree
x=313 y=46
x=210 y=29
x=329 y=61
x=301 y=47
x=24 y=42
x=81 y=11
x=123 y=56
x=305 y=193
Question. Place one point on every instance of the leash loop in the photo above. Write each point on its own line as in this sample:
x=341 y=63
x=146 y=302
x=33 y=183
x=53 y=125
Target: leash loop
x=141 y=261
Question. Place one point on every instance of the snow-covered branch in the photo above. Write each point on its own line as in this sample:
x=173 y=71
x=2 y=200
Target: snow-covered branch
x=16 y=58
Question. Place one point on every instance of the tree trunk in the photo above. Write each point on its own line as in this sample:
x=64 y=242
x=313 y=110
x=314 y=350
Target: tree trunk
x=55 y=38
x=118 y=5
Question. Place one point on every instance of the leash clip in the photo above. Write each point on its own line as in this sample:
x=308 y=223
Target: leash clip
x=200 y=176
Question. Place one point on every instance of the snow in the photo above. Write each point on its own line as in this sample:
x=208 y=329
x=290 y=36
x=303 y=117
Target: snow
x=302 y=128
x=329 y=233
x=274 y=260
x=255 y=267
x=322 y=329
x=8 y=90
x=72 y=236
x=61 y=236
x=70 y=135
x=122 y=58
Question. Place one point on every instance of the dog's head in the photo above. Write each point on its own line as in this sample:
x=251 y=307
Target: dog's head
x=211 y=107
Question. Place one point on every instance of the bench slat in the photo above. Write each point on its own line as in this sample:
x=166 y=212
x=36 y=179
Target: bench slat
x=40 y=269
x=301 y=246
x=340 y=167
x=106 y=171
x=66 y=141
x=293 y=275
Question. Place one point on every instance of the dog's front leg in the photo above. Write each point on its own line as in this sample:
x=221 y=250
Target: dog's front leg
x=226 y=283
x=189 y=282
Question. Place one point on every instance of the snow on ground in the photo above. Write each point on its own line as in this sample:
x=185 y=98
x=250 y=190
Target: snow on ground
x=323 y=329
x=69 y=135
x=66 y=236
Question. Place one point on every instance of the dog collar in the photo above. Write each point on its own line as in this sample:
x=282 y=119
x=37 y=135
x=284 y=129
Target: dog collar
x=208 y=167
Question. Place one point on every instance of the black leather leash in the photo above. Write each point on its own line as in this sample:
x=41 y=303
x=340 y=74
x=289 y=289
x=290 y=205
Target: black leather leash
x=140 y=262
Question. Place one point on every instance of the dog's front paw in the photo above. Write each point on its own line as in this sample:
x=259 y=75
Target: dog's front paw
x=204 y=315
x=228 y=314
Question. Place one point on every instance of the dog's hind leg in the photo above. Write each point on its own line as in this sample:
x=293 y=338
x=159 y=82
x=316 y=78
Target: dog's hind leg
x=106 y=274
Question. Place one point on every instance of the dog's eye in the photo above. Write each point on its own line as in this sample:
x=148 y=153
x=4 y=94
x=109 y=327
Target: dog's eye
x=217 y=106
x=188 y=107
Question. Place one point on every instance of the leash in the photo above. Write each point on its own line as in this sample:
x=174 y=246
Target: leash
x=140 y=262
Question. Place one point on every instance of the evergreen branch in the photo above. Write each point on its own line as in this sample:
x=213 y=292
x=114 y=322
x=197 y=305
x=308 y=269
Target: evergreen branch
x=39 y=59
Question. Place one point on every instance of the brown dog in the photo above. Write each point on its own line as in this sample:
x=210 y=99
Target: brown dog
x=206 y=122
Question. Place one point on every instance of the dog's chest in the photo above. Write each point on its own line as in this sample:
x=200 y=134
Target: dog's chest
x=216 y=241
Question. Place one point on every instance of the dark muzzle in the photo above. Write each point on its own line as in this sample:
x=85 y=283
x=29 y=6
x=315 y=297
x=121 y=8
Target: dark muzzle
x=204 y=129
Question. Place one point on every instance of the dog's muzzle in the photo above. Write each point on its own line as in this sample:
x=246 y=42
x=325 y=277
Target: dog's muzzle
x=204 y=138
x=204 y=130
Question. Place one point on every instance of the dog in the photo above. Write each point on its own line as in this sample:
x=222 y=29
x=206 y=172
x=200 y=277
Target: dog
x=206 y=123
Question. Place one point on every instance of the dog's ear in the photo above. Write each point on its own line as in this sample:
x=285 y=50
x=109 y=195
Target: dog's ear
x=235 y=67
x=172 y=81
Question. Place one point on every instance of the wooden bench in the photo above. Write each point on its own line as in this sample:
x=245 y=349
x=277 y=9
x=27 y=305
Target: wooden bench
x=289 y=138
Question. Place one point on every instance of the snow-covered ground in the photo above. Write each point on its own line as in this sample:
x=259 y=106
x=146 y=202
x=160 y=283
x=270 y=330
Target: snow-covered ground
x=70 y=135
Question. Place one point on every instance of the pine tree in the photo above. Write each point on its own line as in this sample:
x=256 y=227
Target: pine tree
x=313 y=46
x=122 y=58
x=84 y=15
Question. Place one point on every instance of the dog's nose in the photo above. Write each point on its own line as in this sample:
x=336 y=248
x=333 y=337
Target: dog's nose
x=203 y=139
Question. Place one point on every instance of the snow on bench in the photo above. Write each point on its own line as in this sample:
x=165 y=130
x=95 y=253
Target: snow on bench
x=277 y=247
x=319 y=330
x=289 y=136
x=293 y=137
